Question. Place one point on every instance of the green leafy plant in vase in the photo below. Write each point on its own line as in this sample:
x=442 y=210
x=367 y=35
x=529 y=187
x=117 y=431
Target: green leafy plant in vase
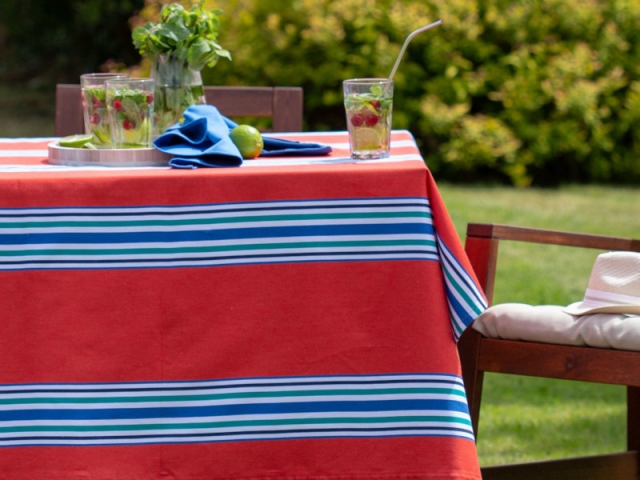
x=179 y=46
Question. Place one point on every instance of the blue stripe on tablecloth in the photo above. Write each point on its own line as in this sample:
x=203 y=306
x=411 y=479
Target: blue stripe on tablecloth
x=223 y=234
x=249 y=409
x=466 y=300
x=226 y=234
x=283 y=407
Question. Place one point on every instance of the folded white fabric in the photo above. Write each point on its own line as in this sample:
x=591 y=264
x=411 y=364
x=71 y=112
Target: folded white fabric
x=551 y=324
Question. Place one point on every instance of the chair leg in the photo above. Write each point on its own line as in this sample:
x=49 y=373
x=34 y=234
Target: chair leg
x=633 y=418
x=469 y=352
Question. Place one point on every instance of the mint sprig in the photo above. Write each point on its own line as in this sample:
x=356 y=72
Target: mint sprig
x=189 y=35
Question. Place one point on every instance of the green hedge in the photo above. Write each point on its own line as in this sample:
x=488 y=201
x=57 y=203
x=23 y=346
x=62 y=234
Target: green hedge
x=523 y=92
x=43 y=42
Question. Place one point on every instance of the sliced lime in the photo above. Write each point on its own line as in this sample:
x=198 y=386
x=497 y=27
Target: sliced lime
x=75 y=141
x=102 y=135
x=366 y=139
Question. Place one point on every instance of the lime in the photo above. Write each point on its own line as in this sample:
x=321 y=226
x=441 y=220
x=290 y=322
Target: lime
x=365 y=139
x=102 y=135
x=75 y=141
x=248 y=140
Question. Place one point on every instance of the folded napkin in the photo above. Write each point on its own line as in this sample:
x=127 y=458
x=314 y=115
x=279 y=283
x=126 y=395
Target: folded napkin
x=202 y=140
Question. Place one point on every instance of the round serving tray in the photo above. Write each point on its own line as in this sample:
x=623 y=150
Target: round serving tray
x=107 y=157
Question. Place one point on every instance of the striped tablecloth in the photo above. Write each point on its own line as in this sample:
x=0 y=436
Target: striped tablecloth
x=293 y=318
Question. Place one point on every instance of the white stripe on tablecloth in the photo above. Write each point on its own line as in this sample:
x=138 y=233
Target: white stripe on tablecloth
x=29 y=140
x=23 y=153
x=267 y=162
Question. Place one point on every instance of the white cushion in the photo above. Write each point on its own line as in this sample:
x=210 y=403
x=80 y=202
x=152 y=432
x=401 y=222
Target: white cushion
x=550 y=324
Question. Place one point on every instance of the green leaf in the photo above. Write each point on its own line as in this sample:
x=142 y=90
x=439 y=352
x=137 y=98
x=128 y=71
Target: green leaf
x=200 y=53
x=140 y=35
x=177 y=32
x=190 y=36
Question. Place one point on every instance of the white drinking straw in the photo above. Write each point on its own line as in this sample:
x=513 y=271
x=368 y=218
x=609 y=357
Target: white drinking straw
x=404 y=47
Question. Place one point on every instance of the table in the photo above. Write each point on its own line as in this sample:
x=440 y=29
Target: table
x=294 y=318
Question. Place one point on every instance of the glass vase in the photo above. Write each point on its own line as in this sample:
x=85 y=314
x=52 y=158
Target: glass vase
x=177 y=88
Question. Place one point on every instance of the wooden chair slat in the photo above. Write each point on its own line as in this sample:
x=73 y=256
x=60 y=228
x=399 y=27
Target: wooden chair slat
x=618 y=367
x=552 y=237
x=283 y=104
x=241 y=101
x=618 y=466
x=287 y=110
x=68 y=110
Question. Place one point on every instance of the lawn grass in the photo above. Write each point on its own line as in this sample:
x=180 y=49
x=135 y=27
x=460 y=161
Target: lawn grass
x=525 y=418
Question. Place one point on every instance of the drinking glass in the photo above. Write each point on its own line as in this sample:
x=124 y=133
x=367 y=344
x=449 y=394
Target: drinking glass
x=130 y=103
x=94 y=108
x=368 y=103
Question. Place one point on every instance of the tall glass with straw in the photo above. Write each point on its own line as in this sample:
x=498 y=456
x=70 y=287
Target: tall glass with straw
x=368 y=104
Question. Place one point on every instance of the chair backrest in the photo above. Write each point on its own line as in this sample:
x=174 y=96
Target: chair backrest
x=282 y=104
x=479 y=354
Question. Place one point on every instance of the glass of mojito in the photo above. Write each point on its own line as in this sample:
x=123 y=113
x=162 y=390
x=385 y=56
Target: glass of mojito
x=368 y=103
x=94 y=106
x=130 y=103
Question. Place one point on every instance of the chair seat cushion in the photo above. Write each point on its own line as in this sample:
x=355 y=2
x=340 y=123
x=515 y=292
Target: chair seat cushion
x=550 y=324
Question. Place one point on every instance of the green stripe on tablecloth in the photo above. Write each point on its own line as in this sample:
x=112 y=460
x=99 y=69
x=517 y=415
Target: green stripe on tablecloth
x=212 y=220
x=231 y=424
x=215 y=248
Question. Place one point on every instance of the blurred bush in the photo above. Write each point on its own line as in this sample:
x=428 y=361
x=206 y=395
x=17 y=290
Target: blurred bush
x=516 y=91
x=43 y=43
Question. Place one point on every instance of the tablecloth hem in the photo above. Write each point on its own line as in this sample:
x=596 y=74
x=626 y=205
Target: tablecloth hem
x=440 y=476
x=299 y=477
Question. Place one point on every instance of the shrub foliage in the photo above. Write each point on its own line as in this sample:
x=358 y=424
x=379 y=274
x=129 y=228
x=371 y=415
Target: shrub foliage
x=44 y=42
x=517 y=91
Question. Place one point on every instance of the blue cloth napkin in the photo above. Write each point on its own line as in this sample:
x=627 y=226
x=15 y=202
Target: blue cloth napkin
x=202 y=140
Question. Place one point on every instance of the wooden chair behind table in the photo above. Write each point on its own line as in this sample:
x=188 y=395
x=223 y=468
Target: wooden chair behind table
x=479 y=354
x=282 y=104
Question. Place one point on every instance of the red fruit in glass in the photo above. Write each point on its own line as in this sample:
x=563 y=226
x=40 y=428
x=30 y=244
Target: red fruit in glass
x=357 y=119
x=371 y=120
x=117 y=104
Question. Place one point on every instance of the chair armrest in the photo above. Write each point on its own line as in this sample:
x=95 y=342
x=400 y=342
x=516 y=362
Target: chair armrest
x=553 y=237
x=483 y=240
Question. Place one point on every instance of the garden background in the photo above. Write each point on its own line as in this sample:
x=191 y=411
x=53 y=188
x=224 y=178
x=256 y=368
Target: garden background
x=527 y=112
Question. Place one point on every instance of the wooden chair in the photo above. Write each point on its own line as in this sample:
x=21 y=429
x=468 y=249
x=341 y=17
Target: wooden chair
x=479 y=354
x=282 y=104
